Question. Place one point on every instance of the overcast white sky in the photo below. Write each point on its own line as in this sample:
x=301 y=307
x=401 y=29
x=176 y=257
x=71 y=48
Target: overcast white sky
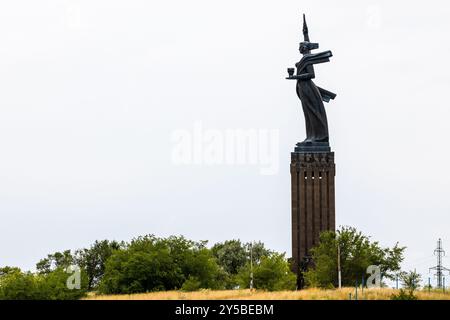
x=91 y=92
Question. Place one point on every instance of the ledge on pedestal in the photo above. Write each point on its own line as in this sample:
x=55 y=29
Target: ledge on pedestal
x=313 y=147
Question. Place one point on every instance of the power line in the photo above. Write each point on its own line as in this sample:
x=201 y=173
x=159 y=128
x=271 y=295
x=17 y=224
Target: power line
x=440 y=269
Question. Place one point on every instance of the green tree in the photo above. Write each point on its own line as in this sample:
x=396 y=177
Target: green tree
x=357 y=252
x=54 y=261
x=7 y=270
x=231 y=255
x=93 y=260
x=271 y=273
x=18 y=285
x=258 y=251
x=132 y=271
x=151 y=264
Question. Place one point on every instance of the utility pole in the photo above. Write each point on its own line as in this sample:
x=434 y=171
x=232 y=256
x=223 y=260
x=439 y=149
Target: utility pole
x=396 y=282
x=339 y=265
x=439 y=252
x=251 y=266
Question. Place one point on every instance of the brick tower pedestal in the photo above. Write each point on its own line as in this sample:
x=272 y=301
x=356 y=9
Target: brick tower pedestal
x=312 y=177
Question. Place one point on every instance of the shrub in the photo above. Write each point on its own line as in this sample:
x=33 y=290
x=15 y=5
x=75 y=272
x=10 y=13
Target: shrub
x=191 y=284
x=404 y=295
x=17 y=285
x=154 y=264
x=271 y=273
x=53 y=286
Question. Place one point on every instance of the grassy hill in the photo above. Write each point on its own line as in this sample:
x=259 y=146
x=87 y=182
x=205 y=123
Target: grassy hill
x=308 y=294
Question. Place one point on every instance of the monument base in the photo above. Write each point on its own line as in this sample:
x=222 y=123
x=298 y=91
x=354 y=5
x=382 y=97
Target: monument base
x=313 y=203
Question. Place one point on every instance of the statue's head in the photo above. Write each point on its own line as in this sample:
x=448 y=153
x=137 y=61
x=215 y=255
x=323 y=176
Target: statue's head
x=305 y=45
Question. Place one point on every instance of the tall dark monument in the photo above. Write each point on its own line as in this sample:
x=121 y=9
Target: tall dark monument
x=312 y=162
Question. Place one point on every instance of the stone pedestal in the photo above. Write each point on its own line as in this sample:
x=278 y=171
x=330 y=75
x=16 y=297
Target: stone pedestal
x=312 y=186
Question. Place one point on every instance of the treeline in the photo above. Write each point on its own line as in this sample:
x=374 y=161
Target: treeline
x=150 y=263
x=147 y=264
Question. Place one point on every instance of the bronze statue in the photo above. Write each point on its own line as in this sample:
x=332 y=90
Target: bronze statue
x=311 y=96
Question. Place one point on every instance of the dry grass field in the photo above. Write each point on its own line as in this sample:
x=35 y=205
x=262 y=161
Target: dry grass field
x=308 y=294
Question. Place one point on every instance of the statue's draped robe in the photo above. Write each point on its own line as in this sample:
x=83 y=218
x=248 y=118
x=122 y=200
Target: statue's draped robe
x=311 y=98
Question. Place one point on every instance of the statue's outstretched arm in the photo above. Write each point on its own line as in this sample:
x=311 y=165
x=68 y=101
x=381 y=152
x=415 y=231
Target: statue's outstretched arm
x=304 y=76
